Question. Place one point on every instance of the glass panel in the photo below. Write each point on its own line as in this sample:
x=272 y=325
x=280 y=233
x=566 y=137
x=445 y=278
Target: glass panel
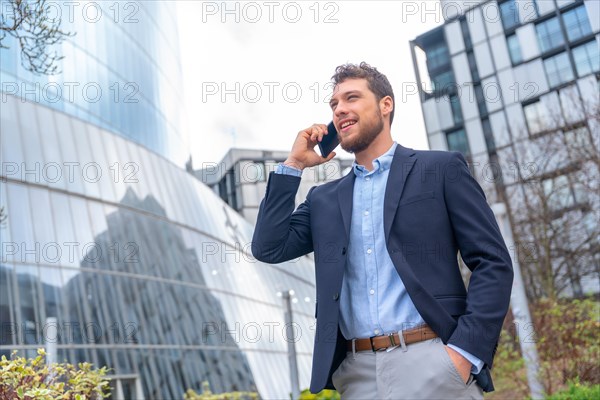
x=514 y=49
x=457 y=141
x=587 y=58
x=534 y=114
x=105 y=185
x=465 y=32
x=23 y=247
x=509 y=14
x=443 y=81
x=65 y=236
x=31 y=170
x=480 y=97
x=10 y=139
x=488 y=134
x=437 y=56
x=456 y=110
x=558 y=69
x=50 y=249
x=577 y=23
x=558 y=192
x=53 y=168
x=549 y=34
x=88 y=171
x=8 y=323
x=71 y=168
x=473 y=66
x=28 y=289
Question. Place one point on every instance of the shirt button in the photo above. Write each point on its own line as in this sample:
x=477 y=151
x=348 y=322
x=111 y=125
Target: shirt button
x=376 y=331
x=366 y=213
x=372 y=291
x=367 y=178
x=369 y=251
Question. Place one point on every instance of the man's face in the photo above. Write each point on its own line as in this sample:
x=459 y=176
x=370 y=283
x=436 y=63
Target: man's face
x=356 y=114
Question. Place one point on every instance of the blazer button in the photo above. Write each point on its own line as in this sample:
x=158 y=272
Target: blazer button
x=336 y=297
x=343 y=251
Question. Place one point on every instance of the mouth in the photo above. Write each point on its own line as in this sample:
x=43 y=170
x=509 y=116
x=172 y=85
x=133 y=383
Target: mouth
x=346 y=124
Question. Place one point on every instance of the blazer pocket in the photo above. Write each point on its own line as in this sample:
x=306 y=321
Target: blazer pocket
x=418 y=197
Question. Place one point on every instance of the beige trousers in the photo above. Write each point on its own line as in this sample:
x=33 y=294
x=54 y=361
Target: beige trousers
x=423 y=371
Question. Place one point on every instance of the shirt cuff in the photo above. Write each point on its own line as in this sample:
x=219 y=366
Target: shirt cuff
x=287 y=170
x=477 y=363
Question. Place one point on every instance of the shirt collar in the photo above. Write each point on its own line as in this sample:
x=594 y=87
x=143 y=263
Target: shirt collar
x=380 y=164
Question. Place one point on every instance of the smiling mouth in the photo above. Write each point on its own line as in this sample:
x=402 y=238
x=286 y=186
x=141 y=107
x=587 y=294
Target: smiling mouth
x=347 y=124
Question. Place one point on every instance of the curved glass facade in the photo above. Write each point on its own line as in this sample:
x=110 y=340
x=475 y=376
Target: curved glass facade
x=120 y=71
x=145 y=269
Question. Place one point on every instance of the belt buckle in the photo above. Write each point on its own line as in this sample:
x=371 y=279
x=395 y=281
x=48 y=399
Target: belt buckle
x=392 y=341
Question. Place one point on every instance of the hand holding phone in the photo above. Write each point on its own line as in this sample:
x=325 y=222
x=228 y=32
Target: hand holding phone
x=330 y=141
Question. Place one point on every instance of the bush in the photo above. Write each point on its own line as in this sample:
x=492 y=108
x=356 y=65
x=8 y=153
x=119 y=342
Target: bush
x=27 y=379
x=208 y=395
x=322 y=395
x=566 y=336
x=577 y=391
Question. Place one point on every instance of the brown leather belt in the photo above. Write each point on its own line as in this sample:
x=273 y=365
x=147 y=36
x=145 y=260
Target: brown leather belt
x=376 y=343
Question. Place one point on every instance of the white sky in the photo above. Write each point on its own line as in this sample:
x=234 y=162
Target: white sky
x=255 y=61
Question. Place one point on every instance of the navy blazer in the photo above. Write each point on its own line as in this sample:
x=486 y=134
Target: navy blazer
x=433 y=209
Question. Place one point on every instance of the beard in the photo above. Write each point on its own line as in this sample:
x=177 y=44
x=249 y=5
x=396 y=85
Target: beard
x=365 y=137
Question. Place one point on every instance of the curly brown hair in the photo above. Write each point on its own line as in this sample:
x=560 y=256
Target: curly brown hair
x=378 y=83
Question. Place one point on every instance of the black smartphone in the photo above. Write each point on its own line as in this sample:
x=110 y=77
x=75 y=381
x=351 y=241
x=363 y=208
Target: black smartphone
x=329 y=141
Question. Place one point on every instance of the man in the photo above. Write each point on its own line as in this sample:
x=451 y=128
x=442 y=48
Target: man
x=394 y=319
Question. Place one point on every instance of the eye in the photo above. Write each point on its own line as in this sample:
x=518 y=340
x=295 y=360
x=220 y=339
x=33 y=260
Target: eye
x=352 y=96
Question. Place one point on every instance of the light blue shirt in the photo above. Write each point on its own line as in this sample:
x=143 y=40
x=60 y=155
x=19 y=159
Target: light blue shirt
x=373 y=300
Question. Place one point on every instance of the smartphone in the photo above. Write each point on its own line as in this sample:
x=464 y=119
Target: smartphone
x=329 y=141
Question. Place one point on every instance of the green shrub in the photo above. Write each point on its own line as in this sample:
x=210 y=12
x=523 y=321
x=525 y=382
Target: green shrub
x=28 y=379
x=322 y=395
x=577 y=391
x=207 y=394
x=566 y=335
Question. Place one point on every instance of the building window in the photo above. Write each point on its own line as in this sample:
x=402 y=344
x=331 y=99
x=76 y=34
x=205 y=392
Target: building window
x=514 y=49
x=437 y=56
x=480 y=97
x=577 y=23
x=509 y=14
x=587 y=58
x=549 y=35
x=473 y=66
x=456 y=111
x=558 y=194
x=464 y=26
x=488 y=135
x=534 y=115
x=558 y=69
x=443 y=81
x=457 y=141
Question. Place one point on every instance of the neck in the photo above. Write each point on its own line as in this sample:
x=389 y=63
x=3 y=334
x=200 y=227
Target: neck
x=378 y=147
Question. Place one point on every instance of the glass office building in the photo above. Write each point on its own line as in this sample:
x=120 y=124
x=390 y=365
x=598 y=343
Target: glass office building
x=106 y=239
x=514 y=85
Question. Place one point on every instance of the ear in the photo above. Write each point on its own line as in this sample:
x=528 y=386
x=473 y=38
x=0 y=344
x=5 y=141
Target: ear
x=386 y=105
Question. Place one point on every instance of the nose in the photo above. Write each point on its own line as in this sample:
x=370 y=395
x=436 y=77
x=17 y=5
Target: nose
x=340 y=110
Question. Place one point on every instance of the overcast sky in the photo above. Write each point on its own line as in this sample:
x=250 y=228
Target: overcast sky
x=256 y=73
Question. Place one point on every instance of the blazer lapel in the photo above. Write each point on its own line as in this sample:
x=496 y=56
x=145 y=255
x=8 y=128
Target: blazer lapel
x=345 y=196
x=403 y=162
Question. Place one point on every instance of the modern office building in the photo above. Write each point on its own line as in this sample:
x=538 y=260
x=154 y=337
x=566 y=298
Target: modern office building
x=240 y=179
x=514 y=86
x=110 y=250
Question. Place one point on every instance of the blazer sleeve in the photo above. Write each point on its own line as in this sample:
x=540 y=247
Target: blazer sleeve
x=483 y=250
x=282 y=234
